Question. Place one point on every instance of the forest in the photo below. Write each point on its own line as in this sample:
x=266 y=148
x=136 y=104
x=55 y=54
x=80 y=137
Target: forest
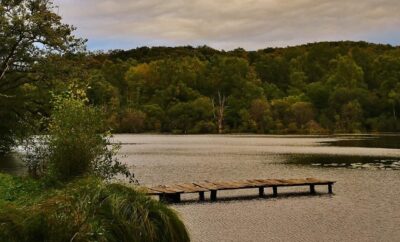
x=318 y=88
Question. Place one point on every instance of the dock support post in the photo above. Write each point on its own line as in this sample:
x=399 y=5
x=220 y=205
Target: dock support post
x=312 y=189
x=275 y=191
x=171 y=198
x=261 y=191
x=177 y=198
x=213 y=195
x=201 y=196
x=330 y=190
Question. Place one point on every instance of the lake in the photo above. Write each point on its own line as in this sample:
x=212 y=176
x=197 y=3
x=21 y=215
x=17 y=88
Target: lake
x=365 y=206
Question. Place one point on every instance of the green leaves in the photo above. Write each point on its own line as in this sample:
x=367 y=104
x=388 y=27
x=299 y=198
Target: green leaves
x=30 y=30
x=78 y=143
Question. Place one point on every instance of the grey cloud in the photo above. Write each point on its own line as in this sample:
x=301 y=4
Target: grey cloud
x=231 y=23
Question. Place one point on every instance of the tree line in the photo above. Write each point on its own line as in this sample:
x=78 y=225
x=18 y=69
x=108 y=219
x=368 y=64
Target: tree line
x=327 y=87
x=318 y=88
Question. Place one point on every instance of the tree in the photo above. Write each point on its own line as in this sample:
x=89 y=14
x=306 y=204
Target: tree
x=318 y=93
x=219 y=111
x=155 y=117
x=394 y=99
x=351 y=117
x=138 y=78
x=132 y=121
x=297 y=77
x=29 y=31
x=303 y=113
x=185 y=116
x=260 y=112
x=347 y=73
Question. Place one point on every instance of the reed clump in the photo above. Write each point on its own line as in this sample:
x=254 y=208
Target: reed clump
x=88 y=209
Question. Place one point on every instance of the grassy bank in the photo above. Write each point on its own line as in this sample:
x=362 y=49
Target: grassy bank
x=85 y=209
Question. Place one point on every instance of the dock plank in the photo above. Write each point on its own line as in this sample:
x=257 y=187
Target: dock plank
x=207 y=185
x=167 y=189
x=151 y=191
x=191 y=188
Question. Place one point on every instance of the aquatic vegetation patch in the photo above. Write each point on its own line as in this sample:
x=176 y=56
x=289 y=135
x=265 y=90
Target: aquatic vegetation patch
x=349 y=162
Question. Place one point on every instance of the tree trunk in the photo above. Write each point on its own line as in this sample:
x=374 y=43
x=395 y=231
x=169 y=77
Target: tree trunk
x=219 y=112
x=220 y=124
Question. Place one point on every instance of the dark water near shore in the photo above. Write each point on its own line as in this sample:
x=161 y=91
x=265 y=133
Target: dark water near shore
x=12 y=164
x=365 y=206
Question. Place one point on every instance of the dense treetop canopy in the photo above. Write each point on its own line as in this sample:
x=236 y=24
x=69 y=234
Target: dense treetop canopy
x=315 y=88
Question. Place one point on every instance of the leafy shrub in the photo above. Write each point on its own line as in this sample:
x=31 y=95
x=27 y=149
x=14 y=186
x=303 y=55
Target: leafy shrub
x=77 y=143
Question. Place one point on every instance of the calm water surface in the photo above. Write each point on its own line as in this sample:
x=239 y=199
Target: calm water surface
x=365 y=206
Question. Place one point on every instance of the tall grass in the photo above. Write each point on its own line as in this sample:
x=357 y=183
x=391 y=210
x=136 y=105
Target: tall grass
x=91 y=210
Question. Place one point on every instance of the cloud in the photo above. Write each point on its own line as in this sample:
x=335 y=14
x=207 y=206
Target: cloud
x=227 y=24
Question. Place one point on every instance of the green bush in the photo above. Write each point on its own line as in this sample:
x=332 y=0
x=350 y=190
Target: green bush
x=204 y=127
x=78 y=142
x=91 y=210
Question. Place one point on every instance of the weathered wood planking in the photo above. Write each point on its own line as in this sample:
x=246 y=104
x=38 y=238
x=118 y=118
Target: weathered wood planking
x=172 y=192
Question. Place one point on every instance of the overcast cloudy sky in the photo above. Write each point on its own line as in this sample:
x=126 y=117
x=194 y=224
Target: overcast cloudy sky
x=228 y=24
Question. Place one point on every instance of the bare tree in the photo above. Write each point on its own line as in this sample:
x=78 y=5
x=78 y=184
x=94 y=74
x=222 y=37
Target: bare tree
x=219 y=111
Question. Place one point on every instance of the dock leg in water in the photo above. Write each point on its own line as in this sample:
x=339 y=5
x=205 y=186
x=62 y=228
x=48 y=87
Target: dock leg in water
x=201 y=196
x=261 y=191
x=275 y=191
x=213 y=195
x=330 y=190
x=312 y=189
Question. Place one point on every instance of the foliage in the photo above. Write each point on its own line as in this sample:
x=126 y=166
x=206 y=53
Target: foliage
x=299 y=89
x=30 y=31
x=89 y=210
x=78 y=142
x=19 y=190
x=132 y=121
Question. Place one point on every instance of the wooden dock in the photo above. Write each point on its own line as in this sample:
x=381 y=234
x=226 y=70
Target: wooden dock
x=172 y=193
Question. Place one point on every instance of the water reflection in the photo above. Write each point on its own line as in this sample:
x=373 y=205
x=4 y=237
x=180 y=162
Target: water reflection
x=350 y=162
x=389 y=141
x=12 y=164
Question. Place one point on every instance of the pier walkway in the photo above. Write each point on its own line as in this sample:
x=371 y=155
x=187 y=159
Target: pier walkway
x=172 y=193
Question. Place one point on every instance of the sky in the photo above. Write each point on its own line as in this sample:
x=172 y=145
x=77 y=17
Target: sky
x=229 y=24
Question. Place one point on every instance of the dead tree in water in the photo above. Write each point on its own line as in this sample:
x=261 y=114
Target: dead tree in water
x=219 y=112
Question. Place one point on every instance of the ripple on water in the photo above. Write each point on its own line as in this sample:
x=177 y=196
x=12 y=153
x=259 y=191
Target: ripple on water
x=365 y=206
